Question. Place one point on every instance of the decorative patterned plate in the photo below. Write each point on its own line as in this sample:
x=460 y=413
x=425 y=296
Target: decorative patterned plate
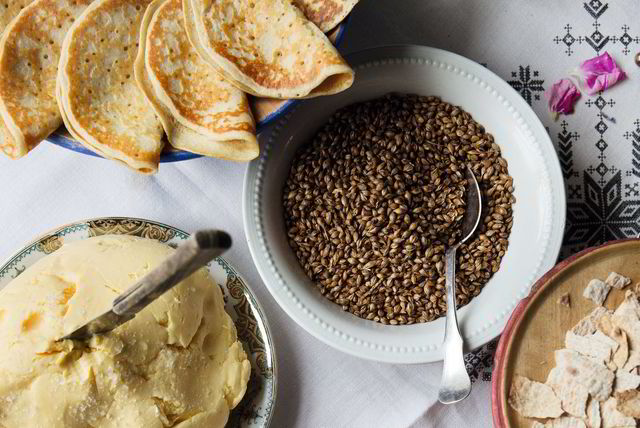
x=265 y=110
x=256 y=408
x=539 y=211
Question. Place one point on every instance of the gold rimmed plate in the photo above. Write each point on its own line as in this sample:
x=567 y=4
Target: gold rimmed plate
x=256 y=408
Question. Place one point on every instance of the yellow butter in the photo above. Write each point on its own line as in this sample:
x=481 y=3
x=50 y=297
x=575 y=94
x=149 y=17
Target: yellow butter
x=178 y=360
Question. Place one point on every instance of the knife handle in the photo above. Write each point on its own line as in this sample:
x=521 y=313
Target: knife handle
x=198 y=250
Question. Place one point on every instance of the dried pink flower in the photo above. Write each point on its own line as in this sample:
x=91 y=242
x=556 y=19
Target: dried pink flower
x=562 y=96
x=600 y=73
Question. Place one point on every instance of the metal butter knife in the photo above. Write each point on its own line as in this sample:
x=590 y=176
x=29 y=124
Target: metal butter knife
x=198 y=250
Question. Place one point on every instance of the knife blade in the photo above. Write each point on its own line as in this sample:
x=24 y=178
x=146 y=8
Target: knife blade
x=198 y=250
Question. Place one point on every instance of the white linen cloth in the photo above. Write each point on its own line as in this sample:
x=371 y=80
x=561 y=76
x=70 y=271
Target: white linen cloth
x=525 y=43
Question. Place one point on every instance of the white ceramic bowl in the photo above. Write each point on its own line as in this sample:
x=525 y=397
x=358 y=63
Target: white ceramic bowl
x=539 y=211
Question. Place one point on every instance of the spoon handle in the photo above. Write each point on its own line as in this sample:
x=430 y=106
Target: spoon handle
x=455 y=384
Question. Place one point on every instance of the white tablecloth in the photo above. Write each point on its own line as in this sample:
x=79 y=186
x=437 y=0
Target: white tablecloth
x=530 y=44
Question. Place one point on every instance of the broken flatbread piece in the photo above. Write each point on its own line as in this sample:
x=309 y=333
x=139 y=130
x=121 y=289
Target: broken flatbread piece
x=567 y=422
x=612 y=418
x=572 y=394
x=628 y=403
x=626 y=318
x=561 y=422
x=621 y=354
x=588 y=324
x=534 y=399
x=589 y=346
x=605 y=340
x=616 y=280
x=595 y=377
x=594 y=419
x=626 y=381
x=565 y=300
x=600 y=336
x=597 y=291
x=633 y=361
x=629 y=306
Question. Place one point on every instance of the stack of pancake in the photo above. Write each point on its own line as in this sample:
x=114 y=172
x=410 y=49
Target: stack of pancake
x=121 y=74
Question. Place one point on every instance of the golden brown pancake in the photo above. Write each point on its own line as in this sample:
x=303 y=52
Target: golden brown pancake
x=29 y=54
x=326 y=14
x=266 y=48
x=103 y=106
x=200 y=111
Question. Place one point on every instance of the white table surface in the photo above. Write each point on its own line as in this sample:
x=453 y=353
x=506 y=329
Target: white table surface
x=318 y=386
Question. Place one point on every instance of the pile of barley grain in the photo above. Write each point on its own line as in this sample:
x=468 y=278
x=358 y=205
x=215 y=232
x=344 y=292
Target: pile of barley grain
x=370 y=202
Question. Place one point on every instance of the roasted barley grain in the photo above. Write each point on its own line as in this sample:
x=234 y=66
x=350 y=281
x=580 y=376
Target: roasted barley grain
x=372 y=201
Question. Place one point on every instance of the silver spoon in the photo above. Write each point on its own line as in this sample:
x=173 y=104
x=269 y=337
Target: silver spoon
x=198 y=250
x=455 y=384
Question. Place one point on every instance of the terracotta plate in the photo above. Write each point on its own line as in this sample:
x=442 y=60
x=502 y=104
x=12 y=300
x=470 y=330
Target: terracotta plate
x=538 y=324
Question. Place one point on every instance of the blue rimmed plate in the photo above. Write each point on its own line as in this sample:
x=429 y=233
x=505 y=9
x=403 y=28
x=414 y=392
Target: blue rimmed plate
x=256 y=408
x=264 y=110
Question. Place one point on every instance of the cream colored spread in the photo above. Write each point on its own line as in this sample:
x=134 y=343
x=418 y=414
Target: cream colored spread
x=177 y=363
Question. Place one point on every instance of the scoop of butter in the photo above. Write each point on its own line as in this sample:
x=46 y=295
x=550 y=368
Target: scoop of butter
x=177 y=362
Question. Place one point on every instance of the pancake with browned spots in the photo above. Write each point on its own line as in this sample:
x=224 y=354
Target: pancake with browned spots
x=200 y=111
x=266 y=48
x=29 y=54
x=103 y=106
x=326 y=14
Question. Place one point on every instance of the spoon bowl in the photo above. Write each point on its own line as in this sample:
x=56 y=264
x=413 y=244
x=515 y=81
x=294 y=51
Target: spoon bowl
x=456 y=384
